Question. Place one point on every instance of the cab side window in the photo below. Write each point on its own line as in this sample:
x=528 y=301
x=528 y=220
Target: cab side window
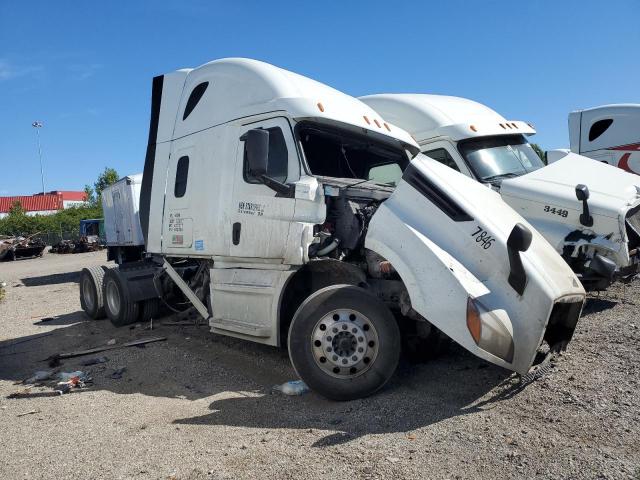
x=278 y=163
x=182 y=174
x=441 y=155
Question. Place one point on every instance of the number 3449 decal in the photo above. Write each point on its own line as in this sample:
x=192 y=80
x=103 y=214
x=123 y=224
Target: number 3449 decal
x=483 y=237
x=556 y=211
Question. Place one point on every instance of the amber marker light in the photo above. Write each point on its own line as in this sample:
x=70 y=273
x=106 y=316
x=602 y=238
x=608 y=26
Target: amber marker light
x=366 y=119
x=386 y=126
x=474 y=324
x=473 y=128
x=320 y=107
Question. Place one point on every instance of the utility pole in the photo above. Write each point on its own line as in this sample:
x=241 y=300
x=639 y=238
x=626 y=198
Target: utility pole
x=38 y=125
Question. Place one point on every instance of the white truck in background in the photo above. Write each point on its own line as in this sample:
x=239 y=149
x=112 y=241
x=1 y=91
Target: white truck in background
x=288 y=213
x=123 y=232
x=588 y=211
x=610 y=134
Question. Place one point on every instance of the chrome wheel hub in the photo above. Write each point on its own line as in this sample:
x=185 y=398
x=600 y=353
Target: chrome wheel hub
x=344 y=343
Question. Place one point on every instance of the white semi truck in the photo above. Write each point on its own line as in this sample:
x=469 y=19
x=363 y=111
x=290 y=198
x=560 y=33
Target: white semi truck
x=288 y=213
x=588 y=211
x=610 y=134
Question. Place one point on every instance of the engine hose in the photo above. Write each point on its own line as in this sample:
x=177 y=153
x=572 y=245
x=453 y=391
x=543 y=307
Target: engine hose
x=329 y=248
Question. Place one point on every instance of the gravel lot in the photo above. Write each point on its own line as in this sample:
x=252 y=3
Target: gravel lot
x=200 y=405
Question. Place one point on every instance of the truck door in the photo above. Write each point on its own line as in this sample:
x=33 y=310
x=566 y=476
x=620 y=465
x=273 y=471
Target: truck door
x=259 y=217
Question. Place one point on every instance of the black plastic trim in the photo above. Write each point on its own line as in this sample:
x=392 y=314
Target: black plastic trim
x=235 y=234
x=435 y=194
x=150 y=157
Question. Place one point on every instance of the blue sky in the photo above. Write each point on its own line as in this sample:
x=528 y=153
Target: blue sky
x=85 y=68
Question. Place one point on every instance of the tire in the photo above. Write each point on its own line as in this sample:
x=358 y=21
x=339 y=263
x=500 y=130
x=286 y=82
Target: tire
x=149 y=309
x=117 y=302
x=91 y=298
x=357 y=333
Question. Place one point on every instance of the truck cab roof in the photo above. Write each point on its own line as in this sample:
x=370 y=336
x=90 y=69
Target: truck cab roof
x=430 y=116
x=231 y=88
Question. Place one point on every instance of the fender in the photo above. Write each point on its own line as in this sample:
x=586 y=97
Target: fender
x=438 y=285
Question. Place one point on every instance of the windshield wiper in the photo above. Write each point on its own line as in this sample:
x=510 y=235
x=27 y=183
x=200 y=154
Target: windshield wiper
x=501 y=176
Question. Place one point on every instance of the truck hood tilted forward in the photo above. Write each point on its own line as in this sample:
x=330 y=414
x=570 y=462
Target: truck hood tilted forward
x=447 y=237
x=611 y=189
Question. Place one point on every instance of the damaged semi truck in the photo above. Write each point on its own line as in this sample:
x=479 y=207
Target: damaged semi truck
x=588 y=211
x=288 y=213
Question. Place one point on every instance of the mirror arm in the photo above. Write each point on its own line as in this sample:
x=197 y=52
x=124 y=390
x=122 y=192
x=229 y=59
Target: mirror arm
x=282 y=189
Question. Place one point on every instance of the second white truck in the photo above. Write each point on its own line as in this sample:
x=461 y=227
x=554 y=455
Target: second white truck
x=588 y=211
x=609 y=133
x=288 y=213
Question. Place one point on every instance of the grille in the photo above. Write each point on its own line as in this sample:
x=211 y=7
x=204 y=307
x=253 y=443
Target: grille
x=632 y=222
x=562 y=322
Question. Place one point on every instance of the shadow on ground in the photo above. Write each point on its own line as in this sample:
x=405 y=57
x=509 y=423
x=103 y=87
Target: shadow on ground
x=52 y=279
x=193 y=364
x=596 y=305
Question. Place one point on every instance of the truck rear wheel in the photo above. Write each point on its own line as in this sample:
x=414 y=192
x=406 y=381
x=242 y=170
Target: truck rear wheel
x=344 y=343
x=117 y=301
x=91 y=299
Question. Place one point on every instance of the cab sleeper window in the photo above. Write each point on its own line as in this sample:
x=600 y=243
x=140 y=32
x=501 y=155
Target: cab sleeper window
x=441 y=155
x=599 y=128
x=194 y=98
x=278 y=163
x=182 y=172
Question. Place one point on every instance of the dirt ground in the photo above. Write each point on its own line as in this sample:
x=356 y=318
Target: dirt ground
x=200 y=405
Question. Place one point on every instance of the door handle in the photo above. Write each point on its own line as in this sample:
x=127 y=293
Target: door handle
x=235 y=235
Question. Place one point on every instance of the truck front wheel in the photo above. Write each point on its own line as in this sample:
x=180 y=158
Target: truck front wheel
x=344 y=343
x=117 y=302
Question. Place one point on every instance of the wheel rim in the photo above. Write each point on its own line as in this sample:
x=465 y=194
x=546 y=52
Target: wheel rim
x=113 y=297
x=344 y=343
x=88 y=294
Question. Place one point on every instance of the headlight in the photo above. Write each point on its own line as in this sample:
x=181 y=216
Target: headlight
x=489 y=331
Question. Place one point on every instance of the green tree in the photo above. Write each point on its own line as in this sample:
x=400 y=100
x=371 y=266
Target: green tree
x=90 y=193
x=16 y=209
x=539 y=151
x=106 y=178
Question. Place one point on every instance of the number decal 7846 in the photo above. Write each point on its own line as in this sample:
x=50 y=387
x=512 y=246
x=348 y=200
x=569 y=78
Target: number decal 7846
x=483 y=237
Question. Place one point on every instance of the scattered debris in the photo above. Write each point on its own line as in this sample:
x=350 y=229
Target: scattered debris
x=293 y=387
x=21 y=247
x=94 y=361
x=117 y=374
x=66 y=376
x=90 y=243
x=111 y=342
x=79 y=353
x=30 y=412
x=39 y=376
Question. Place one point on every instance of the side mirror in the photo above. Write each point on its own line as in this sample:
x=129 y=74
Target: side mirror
x=519 y=238
x=519 y=241
x=582 y=194
x=257 y=148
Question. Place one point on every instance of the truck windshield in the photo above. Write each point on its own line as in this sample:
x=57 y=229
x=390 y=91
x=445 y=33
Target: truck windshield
x=338 y=153
x=495 y=158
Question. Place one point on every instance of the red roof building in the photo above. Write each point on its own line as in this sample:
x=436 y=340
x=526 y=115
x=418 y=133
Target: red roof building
x=43 y=203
